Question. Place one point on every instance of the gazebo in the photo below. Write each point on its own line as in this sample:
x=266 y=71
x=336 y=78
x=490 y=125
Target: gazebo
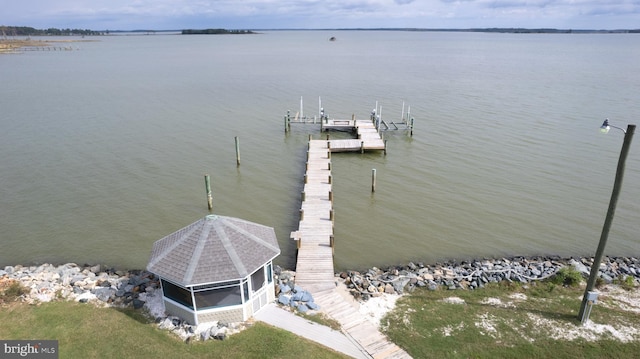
x=218 y=268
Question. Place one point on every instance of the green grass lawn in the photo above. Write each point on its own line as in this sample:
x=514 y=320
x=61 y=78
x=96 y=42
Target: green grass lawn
x=504 y=320
x=85 y=331
x=511 y=321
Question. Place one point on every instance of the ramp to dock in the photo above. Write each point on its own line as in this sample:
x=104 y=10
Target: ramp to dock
x=356 y=326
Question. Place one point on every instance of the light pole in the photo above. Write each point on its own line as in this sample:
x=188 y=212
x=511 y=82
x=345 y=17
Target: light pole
x=589 y=297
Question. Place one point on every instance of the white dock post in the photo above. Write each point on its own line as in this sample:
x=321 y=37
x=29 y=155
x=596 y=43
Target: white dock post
x=301 y=108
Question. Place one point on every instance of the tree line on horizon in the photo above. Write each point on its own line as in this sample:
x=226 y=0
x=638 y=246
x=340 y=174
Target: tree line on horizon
x=215 y=32
x=30 y=31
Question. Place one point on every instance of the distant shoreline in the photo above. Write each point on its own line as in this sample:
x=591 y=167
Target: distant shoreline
x=13 y=31
x=217 y=32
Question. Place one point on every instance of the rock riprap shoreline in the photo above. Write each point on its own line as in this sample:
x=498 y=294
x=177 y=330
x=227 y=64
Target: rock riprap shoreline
x=69 y=281
x=107 y=287
x=475 y=274
x=141 y=289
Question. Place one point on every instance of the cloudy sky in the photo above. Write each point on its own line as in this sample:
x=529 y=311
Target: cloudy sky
x=286 y=14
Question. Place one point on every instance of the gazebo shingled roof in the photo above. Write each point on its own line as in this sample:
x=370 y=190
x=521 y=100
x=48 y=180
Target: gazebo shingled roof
x=213 y=249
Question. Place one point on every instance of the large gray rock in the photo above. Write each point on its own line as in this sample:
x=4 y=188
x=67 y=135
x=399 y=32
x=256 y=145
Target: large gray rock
x=103 y=293
x=284 y=299
x=579 y=267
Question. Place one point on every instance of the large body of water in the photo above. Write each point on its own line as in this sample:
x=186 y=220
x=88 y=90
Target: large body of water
x=104 y=149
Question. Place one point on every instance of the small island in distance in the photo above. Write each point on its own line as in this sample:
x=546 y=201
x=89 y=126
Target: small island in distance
x=216 y=32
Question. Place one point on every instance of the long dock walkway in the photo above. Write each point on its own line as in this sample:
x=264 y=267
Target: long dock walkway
x=314 y=267
x=315 y=243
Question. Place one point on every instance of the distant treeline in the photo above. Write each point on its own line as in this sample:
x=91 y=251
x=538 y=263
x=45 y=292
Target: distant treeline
x=215 y=32
x=506 y=30
x=30 y=31
x=547 y=31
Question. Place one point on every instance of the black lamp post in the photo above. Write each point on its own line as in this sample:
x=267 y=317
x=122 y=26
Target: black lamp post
x=589 y=296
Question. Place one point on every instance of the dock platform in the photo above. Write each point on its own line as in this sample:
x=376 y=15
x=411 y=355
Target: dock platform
x=327 y=123
x=368 y=137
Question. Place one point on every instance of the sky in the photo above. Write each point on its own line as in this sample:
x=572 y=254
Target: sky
x=320 y=14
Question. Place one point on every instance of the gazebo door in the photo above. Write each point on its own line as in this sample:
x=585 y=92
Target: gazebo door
x=259 y=299
x=259 y=286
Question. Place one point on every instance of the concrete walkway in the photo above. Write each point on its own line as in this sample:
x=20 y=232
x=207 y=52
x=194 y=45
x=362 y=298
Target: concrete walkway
x=280 y=318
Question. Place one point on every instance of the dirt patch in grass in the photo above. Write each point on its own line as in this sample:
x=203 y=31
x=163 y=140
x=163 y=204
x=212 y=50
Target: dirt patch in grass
x=612 y=297
x=516 y=321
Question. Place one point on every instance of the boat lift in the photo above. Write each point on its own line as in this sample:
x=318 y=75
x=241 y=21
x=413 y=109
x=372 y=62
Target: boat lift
x=405 y=123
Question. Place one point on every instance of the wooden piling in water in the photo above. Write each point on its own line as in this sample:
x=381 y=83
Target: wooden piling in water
x=237 y=151
x=373 y=180
x=207 y=185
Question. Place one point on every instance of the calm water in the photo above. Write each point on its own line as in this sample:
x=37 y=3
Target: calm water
x=104 y=148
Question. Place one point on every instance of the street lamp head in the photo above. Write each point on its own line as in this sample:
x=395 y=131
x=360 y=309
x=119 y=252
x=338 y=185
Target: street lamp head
x=605 y=126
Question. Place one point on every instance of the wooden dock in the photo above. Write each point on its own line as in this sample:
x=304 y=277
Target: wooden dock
x=314 y=267
x=315 y=243
x=368 y=136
